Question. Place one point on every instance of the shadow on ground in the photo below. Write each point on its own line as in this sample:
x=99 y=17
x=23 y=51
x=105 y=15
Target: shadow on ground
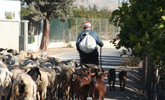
x=134 y=86
x=112 y=60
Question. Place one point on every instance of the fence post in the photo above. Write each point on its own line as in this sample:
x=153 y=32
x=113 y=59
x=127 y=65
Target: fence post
x=144 y=72
x=92 y=24
x=76 y=26
x=25 y=34
x=156 y=83
x=113 y=32
x=100 y=26
x=106 y=28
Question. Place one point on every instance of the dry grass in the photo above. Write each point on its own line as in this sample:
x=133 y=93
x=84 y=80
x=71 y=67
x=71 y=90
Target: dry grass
x=131 y=61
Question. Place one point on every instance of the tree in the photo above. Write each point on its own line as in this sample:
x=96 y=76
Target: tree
x=142 y=24
x=95 y=8
x=41 y=9
x=142 y=27
x=24 y=12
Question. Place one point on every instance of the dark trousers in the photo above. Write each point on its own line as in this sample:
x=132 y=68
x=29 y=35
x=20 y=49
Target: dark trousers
x=89 y=58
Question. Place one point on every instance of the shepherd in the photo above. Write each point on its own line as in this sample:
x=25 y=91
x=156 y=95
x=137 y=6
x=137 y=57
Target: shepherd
x=86 y=45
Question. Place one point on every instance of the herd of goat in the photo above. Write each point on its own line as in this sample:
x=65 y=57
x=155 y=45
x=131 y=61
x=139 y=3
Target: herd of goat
x=28 y=76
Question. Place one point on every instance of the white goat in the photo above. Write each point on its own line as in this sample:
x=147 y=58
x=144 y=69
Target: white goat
x=5 y=82
x=24 y=88
x=43 y=84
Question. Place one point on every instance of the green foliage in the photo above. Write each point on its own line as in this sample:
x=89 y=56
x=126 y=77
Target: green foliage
x=131 y=61
x=41 y=9
x=58 y=10
x=9 y=17
x=71 y=21
x=142 y=27
x=24 y=12
x=90 y=12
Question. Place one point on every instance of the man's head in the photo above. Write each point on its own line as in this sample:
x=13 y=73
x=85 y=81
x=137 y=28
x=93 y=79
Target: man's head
x=87 y=25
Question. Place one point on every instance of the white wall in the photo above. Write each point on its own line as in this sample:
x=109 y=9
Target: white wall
x=36 y=44
x=10 y=6
x=9 y=34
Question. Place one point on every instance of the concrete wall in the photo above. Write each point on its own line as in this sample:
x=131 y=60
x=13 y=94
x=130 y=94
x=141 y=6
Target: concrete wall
x=35 y=42
x=9 y=34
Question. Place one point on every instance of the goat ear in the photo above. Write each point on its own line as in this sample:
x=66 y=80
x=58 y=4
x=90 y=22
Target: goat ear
x=57 y=73
x=89 y=68
x=93 y=73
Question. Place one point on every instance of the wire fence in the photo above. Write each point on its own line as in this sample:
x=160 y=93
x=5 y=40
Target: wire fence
x=60 y=31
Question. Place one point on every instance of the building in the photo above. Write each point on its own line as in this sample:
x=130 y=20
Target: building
x=10 y=23
x=10 y=9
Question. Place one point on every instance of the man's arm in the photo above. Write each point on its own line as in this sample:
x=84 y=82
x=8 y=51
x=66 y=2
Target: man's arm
x=99 y=41
x=77 y=43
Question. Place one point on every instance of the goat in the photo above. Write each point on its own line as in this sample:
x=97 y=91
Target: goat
x=24 y=88
x=5 y=83
x=98 y=85
x=79 y=83
x=111 y=77
x=122 y=79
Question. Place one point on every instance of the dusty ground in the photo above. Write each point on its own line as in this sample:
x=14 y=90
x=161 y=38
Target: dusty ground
x=54 y=51
x=134 y=88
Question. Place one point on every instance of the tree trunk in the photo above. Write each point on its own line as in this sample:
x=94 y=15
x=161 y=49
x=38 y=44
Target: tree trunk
x=45 y=36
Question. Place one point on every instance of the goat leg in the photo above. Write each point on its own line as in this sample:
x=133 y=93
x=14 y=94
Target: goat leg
x=114 y=84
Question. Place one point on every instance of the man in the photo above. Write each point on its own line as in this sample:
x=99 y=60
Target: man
x=89 y=58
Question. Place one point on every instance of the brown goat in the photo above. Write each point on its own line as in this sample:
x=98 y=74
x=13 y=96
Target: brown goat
x=122 y=79
x=79 y=82
x=111 y=77
x=98 y=85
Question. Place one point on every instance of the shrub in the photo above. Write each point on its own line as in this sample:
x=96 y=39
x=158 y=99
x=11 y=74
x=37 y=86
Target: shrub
x=130 y=61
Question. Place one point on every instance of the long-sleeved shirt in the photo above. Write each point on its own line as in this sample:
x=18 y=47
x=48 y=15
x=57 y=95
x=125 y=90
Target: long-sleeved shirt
x=93 y=34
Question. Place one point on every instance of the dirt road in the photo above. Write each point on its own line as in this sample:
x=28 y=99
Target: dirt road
x=134 y=87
